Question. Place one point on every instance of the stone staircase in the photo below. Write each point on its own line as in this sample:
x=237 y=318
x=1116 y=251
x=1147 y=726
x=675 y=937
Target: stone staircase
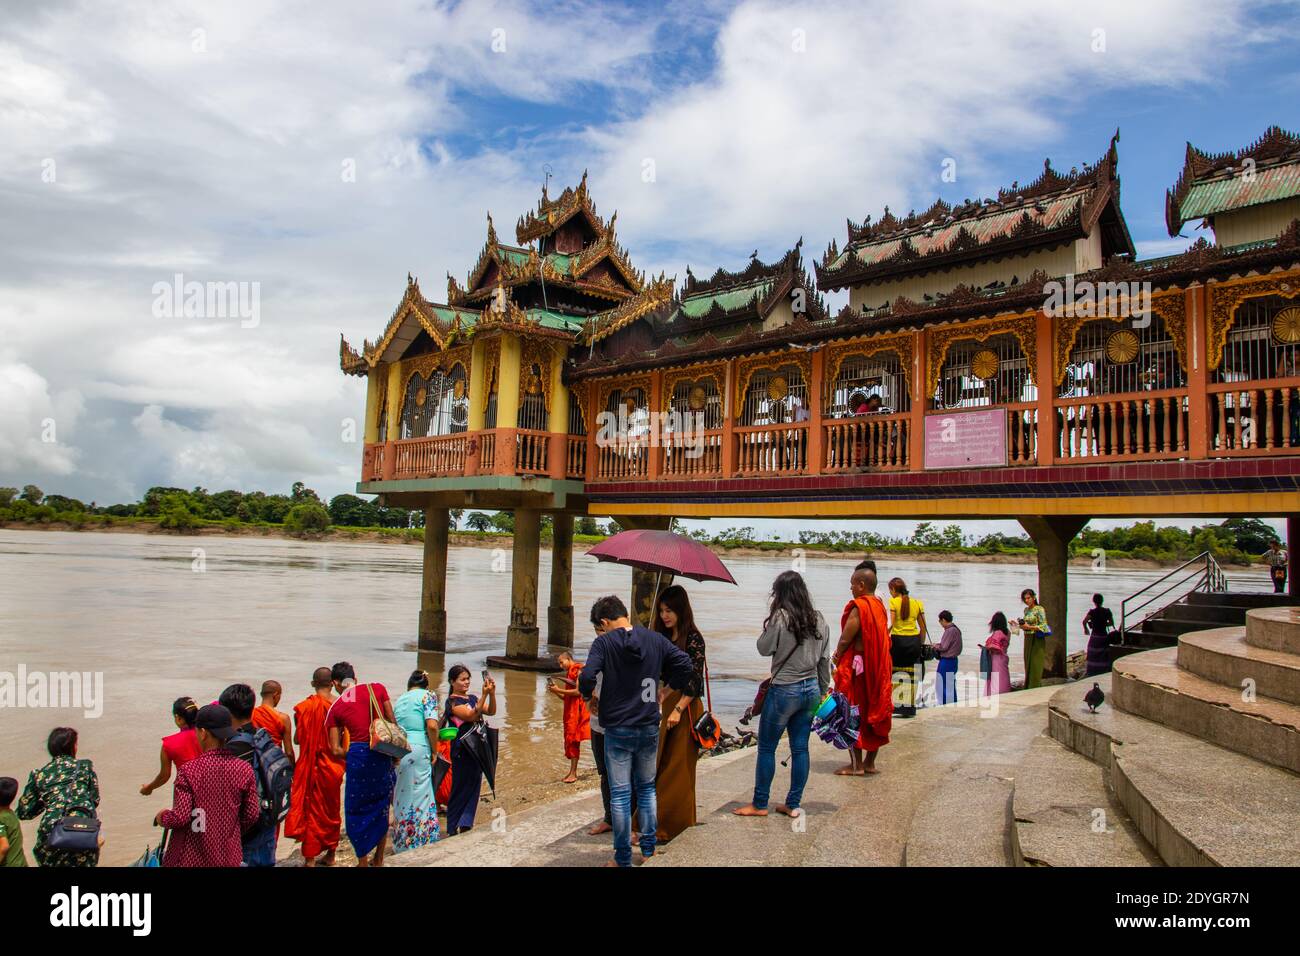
x=1193 y=760
x=1197 y=611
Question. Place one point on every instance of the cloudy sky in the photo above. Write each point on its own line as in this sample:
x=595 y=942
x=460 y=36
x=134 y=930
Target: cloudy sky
x=324 y=150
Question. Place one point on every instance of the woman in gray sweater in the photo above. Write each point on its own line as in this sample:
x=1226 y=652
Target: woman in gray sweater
x=796 y=637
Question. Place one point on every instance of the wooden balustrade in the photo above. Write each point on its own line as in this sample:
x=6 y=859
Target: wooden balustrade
x=1022 y=433
x=623 y=460
x=1254 y=419
x=430 y=457
x=1130 y=427
x=575 y=459
x=372 y=461
x=487 y=457
x=531 y=451
x=772 y=450
x=866 y=443
x=698 y=455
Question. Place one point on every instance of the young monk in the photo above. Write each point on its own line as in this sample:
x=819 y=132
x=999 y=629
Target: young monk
x=577 y=719
x=863 y=671
x=274 y=722
x=314 y=817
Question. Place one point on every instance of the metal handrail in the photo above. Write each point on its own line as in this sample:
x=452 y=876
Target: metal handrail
x=1209 y=578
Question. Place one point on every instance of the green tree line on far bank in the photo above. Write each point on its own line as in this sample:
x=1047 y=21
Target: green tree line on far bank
x=1235 y=540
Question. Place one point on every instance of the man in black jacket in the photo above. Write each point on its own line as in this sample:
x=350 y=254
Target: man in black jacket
x=633 y=660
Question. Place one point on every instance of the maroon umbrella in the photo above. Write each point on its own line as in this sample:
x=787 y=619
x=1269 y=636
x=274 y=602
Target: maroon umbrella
x=663 y=551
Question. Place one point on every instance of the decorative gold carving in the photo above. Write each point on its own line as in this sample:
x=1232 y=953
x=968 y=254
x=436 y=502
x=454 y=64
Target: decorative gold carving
x=431 y=362
x=578 y=396
x=458 y=389
x=607 y=386
x=535 y=352
x=696 y=374
x=902 y=344
x=1286 y=326
x=777 y=388
x=1122 y=346
x=421 y=396
x=746 y=367
x=984 y=364
x=1021 y=326
x=697 y=399
x=1225 y=297
x=491 y=362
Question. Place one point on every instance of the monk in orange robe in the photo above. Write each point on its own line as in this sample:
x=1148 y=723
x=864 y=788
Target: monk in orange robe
x=274 y=722
x=863 y=671
x=577 y=718
x=314 y=817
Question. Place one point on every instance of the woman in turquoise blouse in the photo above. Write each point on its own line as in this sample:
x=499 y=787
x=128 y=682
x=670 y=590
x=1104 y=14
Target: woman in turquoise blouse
x=415 y=809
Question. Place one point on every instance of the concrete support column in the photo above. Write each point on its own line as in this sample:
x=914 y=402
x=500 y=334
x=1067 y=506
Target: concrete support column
x=1052 y=535
x=643 y=582
x=559 y=615
x=1292 y=558
x=521 y=637
x=433 y=589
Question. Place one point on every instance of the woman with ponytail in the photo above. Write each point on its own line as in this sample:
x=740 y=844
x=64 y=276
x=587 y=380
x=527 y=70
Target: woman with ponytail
x=179 y=748
x=907 y=633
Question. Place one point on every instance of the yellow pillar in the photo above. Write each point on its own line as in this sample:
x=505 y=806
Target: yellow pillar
x=478 y=385
x=557 y=454
x=395 y=382
x=508 y=383
x=373 y=400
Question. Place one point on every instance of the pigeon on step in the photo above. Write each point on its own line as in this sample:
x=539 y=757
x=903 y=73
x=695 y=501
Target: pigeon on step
x=1094 y=698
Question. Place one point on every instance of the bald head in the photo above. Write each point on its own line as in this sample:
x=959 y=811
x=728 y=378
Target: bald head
x=320 y=677
x=863 y=581
x=271 y=688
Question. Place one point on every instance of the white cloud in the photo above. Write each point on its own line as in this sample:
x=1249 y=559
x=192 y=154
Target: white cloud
x=35 y=426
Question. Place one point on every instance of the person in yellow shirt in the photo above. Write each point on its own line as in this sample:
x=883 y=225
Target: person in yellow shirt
x=907 y=634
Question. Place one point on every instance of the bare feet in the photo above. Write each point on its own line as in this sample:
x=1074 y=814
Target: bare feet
x=783 y=809
x=328 y=859
x=749 y=810
x=870 y=770
x=599 y=828
x=849 y=771
x=571 y=778
x=610 y=863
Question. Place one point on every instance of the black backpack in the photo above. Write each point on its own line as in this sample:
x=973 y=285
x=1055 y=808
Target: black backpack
x=273 y=772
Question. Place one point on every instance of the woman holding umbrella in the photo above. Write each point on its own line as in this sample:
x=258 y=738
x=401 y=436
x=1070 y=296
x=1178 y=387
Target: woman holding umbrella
x=675 y=772
x=464 y=711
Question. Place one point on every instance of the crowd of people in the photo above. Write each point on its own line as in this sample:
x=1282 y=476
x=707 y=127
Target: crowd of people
x=352 y=760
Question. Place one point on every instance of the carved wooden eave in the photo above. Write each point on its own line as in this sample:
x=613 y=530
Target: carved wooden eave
x=655 y=296
x=1225 y=297
x=1275 y=146
x=551 y=214
x=1169 y=306
x=414 y=306
x=607 y=386
x=350 y=361
x=430 y=362
x=542 y=353
x=1097 y=187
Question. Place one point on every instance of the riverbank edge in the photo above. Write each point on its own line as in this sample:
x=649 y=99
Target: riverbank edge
x=491 y=540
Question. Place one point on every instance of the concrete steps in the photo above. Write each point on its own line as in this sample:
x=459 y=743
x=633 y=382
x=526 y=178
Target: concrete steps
x=1064 y=814
x=1225 y=656
x=1274 y=629
x=1194 y=803
x=1152 y=685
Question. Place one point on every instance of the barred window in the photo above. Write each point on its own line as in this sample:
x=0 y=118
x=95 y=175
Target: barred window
x=1110 y=358
x=692 y=398
x=992 y=372
x=532 y=409
x=869 y=384
x=437 y=405
x=1262 y=341
x=577 y=423
x=776 y=397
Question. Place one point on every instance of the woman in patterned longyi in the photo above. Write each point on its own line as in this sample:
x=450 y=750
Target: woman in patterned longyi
x=64 y=787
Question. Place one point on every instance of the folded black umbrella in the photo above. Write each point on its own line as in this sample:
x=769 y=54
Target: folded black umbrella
x=441 y=767
x=481 y=744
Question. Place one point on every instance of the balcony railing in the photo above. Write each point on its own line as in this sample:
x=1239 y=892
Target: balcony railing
x=1141 y=426
x=1254 y=418
x=866 y=443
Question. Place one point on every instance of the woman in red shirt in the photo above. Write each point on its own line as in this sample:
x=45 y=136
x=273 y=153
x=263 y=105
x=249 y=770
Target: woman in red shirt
x=370 y=777
x=179 y=748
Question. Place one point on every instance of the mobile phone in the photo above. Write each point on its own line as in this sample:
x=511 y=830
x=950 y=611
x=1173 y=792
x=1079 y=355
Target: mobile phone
x=485 y=675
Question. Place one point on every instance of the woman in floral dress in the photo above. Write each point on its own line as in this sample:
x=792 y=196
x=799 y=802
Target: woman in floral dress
x=64 y=787
x=415 y=810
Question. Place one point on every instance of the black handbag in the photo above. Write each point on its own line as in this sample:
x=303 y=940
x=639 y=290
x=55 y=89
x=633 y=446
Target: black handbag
x=75 y=834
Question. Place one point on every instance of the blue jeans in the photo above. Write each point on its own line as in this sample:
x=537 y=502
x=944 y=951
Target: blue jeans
x=946 y=683
x=260 y=849
x=630 y=757
x=787 y=707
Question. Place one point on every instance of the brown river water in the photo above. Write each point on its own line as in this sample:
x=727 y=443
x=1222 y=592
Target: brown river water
x=159 y=620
